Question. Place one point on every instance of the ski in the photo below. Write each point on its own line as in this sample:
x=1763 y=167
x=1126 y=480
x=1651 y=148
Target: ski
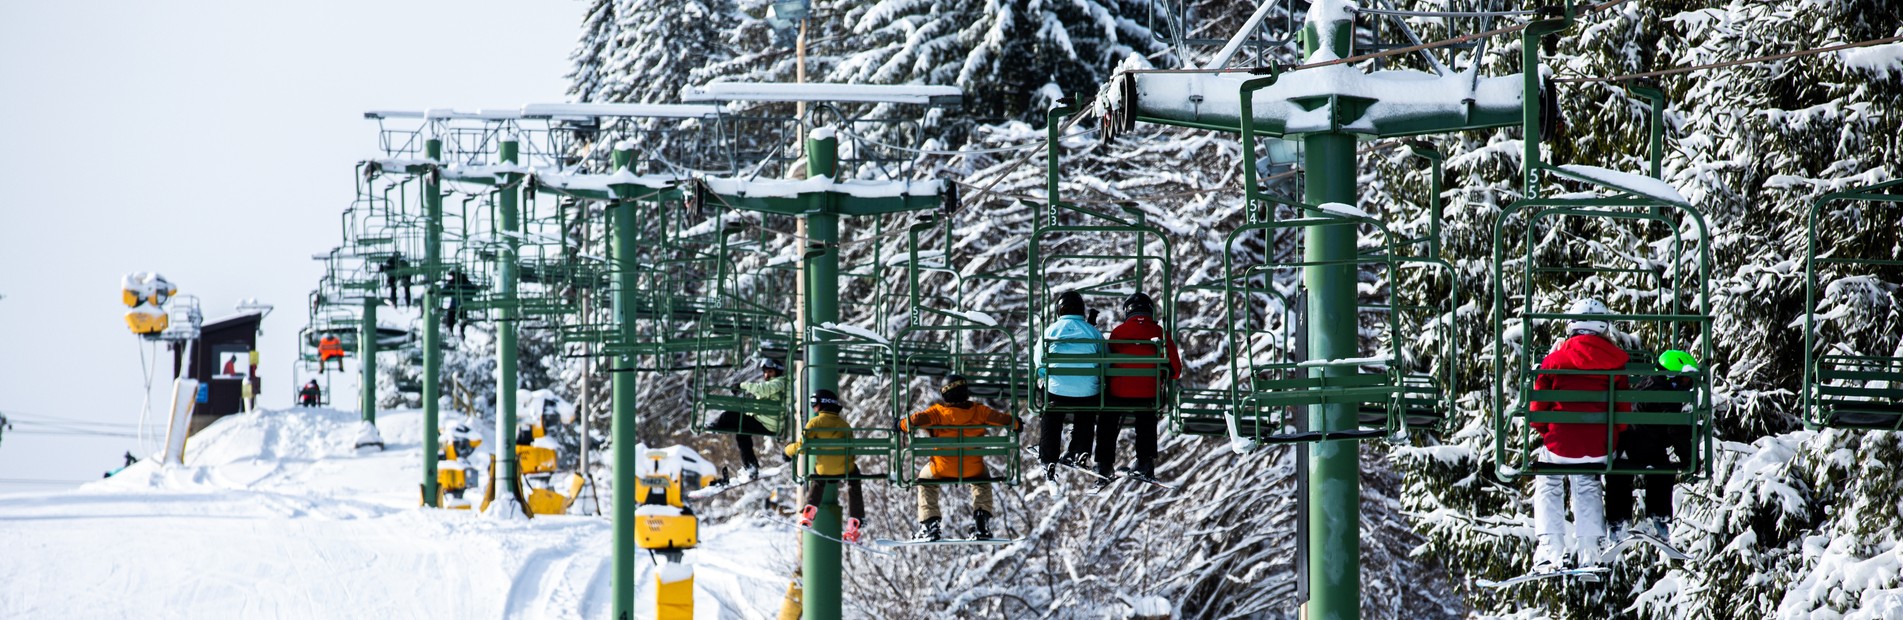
x=1589 y=574
x=945 y=541
x=730 y=484
x=1086 y=470
x=1127 y=473
x=796 y=525
x=1635 y=538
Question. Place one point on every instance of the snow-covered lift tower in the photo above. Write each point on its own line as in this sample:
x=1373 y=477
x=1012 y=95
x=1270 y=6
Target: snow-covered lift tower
x=820 y=199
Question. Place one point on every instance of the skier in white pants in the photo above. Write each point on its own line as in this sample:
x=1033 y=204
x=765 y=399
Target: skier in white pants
x=1585 y=348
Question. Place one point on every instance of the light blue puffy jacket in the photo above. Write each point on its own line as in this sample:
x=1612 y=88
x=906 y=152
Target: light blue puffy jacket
x=1071 y=327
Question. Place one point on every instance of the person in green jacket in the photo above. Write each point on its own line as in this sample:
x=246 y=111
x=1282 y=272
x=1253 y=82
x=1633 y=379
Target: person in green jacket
x=830 y=468
x=745 y=425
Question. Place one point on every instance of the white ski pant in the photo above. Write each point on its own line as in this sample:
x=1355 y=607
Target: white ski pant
x=1589 y=508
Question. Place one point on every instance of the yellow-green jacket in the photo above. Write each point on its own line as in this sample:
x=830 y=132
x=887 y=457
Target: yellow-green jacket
x=826 y=465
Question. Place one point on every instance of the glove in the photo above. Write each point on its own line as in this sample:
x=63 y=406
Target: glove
x=734 y=389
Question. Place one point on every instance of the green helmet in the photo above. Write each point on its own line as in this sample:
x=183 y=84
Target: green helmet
x=1678 y=361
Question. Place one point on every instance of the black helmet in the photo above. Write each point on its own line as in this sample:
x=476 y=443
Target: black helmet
x=1070 y=303
x=1138 y=304
x=772 y=364
x=955 y=390
x=826 y=400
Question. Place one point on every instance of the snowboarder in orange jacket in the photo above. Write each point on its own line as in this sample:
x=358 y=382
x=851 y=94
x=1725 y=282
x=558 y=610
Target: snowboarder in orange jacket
x=955 y=416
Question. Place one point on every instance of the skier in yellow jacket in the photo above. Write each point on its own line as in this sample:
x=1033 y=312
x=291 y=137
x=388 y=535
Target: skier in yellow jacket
x=830 y=468
x=955 y=416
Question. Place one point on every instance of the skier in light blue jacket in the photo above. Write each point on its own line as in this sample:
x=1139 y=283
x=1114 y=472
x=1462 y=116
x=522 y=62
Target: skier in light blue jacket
x=1070 y=334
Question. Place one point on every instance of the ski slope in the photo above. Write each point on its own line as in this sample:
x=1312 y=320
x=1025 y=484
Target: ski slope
x=274 y=515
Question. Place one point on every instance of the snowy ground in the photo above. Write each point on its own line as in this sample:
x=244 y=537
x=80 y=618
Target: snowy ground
x=274 y=516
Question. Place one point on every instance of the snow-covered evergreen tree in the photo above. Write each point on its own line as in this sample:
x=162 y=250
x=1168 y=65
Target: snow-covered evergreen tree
x=1797 y=524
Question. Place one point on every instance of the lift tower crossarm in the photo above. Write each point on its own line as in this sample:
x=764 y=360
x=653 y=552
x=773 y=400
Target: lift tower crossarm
x=824 y=93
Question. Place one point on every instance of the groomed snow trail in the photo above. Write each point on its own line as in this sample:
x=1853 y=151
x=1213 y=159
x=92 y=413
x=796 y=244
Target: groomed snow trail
x=275 y=516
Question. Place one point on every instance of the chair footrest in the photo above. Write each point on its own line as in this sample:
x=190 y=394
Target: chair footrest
x=971 y=480
x=1866 y=418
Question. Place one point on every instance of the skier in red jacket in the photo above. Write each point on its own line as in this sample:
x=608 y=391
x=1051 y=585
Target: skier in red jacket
x=1585 y=348
x=1140 y=396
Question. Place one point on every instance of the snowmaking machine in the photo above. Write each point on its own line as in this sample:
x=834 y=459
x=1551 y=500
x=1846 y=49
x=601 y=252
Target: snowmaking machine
x=538 y=455
x=665 y=524
x=455 y=473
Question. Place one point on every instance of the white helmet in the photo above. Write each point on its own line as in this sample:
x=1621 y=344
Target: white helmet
x=1587 y=306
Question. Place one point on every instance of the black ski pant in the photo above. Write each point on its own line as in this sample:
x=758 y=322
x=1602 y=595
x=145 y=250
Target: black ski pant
x=855 y=499
x=1050 y=428
x=745 y=427
x=1109 y=423
x=407 y=300
x=1645 y=446
x=454 y=314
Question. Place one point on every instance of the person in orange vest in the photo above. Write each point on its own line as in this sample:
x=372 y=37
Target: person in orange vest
x=965 y=419
x=328 y=347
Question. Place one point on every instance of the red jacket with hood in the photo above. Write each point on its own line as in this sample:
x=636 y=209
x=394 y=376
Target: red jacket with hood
x=1580 y=352
x=1140 y=327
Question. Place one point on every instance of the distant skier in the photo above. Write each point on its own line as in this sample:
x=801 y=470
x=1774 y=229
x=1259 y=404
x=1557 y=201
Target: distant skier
x=396 y=270
x=115 y=471
x=330 y=347
x=770 y=387
x=1585 y=348
x=1070 y=334
x=311 y=395
x=1652 y=446
x=832 y=469
x=458 y=289
x=955 y=416
x=1140 y=396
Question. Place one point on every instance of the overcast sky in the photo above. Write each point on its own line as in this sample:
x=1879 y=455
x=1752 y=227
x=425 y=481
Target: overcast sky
x=212 y=142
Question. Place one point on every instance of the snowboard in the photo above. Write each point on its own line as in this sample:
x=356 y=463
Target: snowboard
x=1589 y=574
x=1635 y=538
x=796 y=525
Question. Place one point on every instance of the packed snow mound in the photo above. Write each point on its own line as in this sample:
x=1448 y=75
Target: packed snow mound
x=276 y=515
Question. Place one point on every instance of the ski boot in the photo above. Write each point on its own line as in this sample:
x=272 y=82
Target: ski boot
x=1050 y=472
x=928 y=530
x=851 y=532
x=1590 y=550
x=1549 y=554
x=807 y=514
x=750 y=472
x=981 y=525
x=1618 y=531
x=1660 y=527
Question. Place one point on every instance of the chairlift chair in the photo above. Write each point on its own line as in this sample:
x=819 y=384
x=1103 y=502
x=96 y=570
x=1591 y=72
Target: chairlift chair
x=1842 y=387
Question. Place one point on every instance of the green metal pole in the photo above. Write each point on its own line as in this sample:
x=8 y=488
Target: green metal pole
x=506 y=503
x=1334 y=476
x=623 y=392
x=432 y=340
x=367 y=358
x=821 y=556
